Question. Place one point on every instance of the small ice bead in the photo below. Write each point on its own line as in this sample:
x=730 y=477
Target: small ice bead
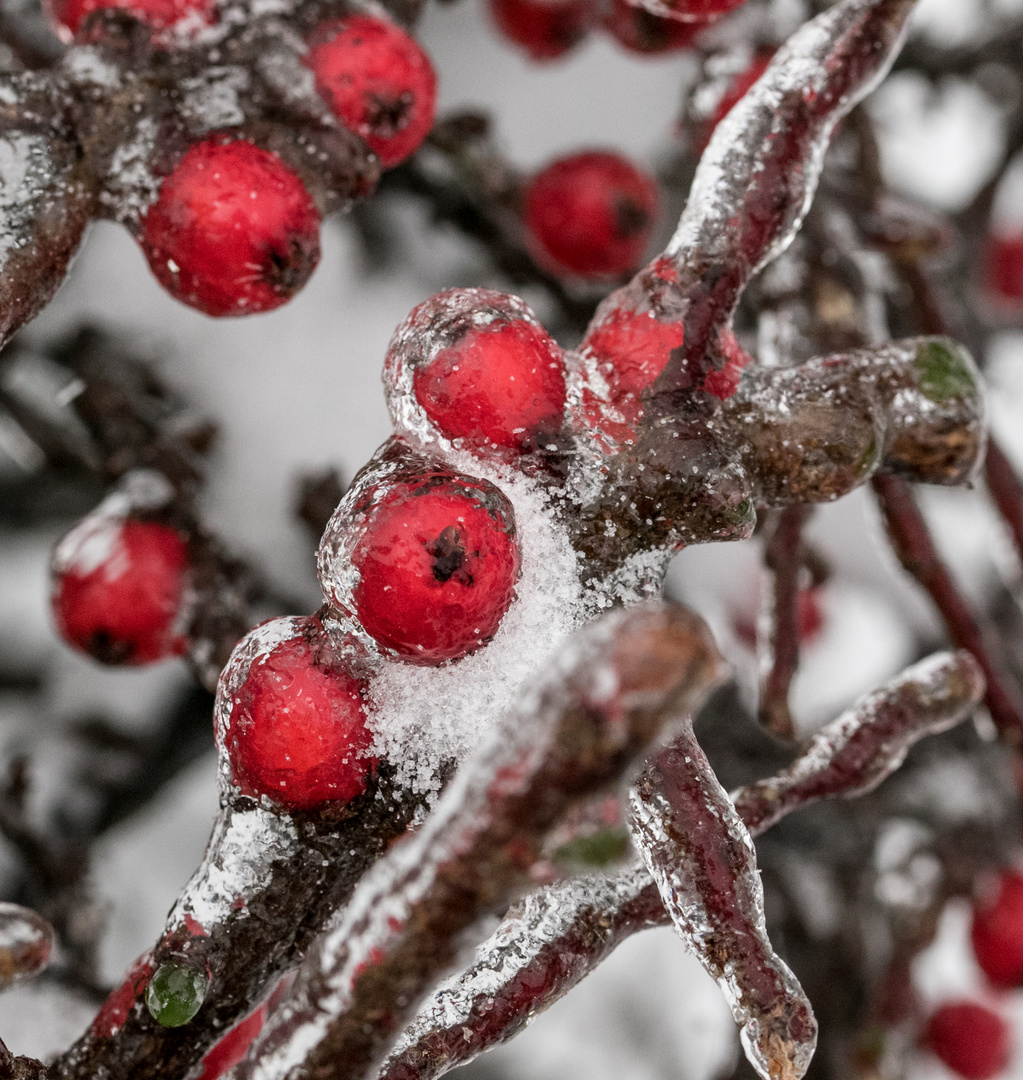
x=26 y=941
x=476 y=368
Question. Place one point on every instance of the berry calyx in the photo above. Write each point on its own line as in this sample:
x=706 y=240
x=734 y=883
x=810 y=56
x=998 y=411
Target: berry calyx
x=67 y=15
x=546 y=29
x=233 y=230
x=484 y=372
x=591 y=214
x=971 y=1039
x=378 y=81
x=436 y=560
x=175 y=993
x=118 y=589
x=997 y=931
x=296 y=732
x=640 y=31
x=1005 y=267
x=224 y=1055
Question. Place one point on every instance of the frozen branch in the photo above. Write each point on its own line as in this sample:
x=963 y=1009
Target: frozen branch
x=912 y=543
x=559 y=934
x=613 y=689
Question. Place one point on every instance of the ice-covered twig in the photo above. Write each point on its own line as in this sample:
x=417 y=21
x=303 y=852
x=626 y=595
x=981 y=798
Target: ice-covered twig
x=560 y=933
x=912 y=543
x=757 y=178
x=267 y=886
x=856 y=752
x=779 y=647
x=701 y=858
x=613 y=688
x=814 y=432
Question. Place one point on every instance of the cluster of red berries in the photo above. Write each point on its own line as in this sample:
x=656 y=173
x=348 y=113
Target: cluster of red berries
x=547 y=29
x=234 y=229
x=970 y=1038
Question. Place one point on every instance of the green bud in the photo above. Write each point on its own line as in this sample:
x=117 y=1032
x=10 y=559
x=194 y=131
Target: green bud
x=946 y=371
x=176 y=993
x=598 y=850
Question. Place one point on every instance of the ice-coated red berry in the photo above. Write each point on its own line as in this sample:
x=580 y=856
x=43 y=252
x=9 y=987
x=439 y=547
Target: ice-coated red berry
x=377 y=80
x=492 y=376
x=233 y=230
x=67 y=15
x=118 y=587
x=997 y=931
x=224 y=1055
x=737 y=88
x=437 y=564
x=640 y=31
x=297 y=731
x=591 y=213
x=971 y=1039
x=1005 y=267
x=546 y=29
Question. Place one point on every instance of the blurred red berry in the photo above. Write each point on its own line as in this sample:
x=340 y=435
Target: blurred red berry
x=639 y=31
x=997 y=932
x=67 y=15
x=118 y=588
x=546 y=29
x=297 y=728
x=225 y=1054
x=591 y=214
x=437 y=564
x=971 y=1039
x=501 y=384
x=233 y=230
x=378 y=81
x=1005 y=266
x=736 y=89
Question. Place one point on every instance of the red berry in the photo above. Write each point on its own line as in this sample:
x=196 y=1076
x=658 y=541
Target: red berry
x=118 y=587
x=225 y=1054
x=296 y=731
x=378 y=80
x=233 y=230
x=546 y=29
x=433 y=553
x=737 y=88
x=484 y=371
x=67 y=15
x=629 y=350
x=997 y=932
x=1005 y=267
x=591 y=213
x=971 y=1039
x=642 y=32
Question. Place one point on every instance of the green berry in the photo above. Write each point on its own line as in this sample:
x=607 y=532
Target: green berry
x=946 y=371
x=599 y=849
x=175 y=993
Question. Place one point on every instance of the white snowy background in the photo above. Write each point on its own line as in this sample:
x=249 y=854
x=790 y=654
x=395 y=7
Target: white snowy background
x=299 y=389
